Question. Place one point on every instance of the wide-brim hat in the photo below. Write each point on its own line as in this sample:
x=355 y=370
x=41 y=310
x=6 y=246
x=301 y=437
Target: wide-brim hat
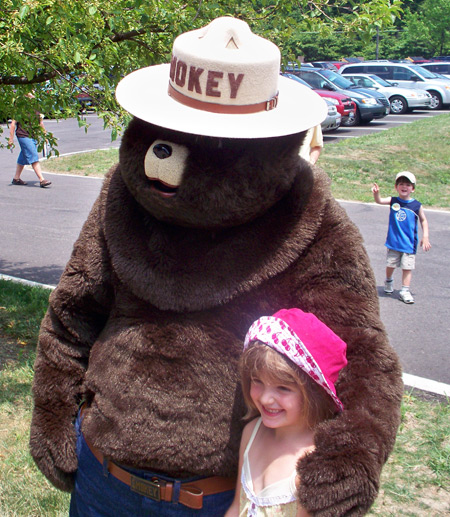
x=223 y=81
x=307 y=342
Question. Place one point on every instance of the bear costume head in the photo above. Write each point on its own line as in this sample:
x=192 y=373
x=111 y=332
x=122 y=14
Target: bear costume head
x=210 y=221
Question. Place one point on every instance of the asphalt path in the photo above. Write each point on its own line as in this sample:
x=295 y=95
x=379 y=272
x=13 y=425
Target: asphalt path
x=39 y=227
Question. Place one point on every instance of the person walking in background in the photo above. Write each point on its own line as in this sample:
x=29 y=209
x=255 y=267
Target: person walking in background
x=402 y=237
x=28 y=149
x=289 y=366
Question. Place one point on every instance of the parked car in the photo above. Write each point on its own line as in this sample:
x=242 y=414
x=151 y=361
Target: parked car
x=401 y=100
x=370 y=104
x=344 y=104
x=324 y=64
x=438 y=68
x=417 y=59
x=407 y=76
x=440 y=58
x=333 y=118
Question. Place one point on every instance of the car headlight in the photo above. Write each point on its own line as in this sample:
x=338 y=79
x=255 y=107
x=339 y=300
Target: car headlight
x=332 y=110
x=369 y=101
x=334 y=101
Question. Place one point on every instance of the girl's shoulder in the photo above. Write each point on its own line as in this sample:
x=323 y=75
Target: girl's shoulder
x=249 y=428
x=247 y=432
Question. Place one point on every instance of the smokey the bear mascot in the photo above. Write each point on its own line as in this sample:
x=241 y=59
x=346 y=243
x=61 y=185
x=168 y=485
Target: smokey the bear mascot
x=209 y=221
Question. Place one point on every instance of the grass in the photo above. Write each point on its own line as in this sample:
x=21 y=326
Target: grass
x=352 y=164
x=420 y=147
x=415 y=480
x=92 y=163
x=24 y=490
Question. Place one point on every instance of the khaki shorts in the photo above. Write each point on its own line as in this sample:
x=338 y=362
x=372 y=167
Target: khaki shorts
x=399 y=259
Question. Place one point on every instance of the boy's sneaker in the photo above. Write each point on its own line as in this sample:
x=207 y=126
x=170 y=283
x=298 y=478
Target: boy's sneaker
x=406 y=296
x=389 y=286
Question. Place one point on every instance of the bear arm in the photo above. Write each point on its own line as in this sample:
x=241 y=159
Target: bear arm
x=77 y=312
x=341 y=477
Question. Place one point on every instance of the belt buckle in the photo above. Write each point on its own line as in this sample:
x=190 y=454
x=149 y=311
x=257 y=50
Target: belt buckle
x=150 y=489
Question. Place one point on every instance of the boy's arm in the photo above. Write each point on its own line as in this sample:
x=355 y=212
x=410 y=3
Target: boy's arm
x=425 y=242
x=377 y=198
x=233 y=510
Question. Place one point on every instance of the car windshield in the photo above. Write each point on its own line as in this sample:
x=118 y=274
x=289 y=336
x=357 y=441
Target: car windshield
x=440 y=76
x=379 y=80
x=292 y=76
x=423 y=72
x=336 y=79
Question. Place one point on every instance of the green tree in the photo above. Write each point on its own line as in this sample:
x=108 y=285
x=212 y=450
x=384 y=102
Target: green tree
x=429 y=28
x=62 y=48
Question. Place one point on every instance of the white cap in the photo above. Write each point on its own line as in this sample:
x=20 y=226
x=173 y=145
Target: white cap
x=406 y=174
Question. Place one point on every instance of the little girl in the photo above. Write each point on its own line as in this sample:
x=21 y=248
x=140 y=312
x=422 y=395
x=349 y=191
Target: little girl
x=290 y=363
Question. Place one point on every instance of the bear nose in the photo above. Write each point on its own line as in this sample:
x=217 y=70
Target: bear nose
x=162 y=151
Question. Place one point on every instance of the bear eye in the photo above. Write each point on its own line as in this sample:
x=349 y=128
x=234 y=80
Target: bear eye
x=162 y=151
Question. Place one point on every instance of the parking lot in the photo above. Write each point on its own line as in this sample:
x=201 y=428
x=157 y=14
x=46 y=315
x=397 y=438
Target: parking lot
x=380 y=125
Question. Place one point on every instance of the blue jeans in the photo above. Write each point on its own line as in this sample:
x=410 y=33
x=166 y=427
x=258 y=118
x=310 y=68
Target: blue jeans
x=97 y=495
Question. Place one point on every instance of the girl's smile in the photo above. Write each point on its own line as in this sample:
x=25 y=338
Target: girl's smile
x=280 y=405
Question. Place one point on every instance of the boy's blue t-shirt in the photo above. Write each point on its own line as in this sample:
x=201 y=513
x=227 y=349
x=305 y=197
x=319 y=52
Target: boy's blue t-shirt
x=403 y=222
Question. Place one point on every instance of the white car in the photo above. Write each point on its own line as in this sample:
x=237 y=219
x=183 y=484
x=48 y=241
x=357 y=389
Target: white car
x=437 y=67
x=333 y=118
x=406 y=76
x=401 y=100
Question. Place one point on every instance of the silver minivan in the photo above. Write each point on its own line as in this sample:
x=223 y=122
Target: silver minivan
x=438 y=68
x=407 y=76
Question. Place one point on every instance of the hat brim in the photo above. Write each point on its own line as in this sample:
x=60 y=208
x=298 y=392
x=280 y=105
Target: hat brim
x=144 y=94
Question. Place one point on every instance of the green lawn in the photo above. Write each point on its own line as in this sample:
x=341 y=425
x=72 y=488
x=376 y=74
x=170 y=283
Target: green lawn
x=421 y=147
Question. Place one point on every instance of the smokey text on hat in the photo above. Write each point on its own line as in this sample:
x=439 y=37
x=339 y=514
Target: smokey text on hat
x=181 y=72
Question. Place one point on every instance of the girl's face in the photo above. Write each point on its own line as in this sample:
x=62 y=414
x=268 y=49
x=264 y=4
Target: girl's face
x=280 y=405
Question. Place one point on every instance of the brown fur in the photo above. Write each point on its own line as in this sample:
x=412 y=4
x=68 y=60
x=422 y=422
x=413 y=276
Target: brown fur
x=150 y=314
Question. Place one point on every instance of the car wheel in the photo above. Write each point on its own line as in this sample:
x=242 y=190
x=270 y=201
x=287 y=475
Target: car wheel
x=354 y=121
x=436 y=100
x=398 y=105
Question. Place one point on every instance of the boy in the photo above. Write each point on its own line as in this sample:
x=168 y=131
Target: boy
x=401 y=240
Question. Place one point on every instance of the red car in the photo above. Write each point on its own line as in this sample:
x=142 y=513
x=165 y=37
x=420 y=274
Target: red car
x=345 y=106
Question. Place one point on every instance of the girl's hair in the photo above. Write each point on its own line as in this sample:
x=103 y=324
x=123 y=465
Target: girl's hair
x=261 y=360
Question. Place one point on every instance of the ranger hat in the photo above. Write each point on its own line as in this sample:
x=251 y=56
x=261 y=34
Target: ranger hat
x=223 y=81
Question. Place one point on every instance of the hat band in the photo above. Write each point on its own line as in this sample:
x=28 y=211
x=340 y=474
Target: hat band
x=223 y=108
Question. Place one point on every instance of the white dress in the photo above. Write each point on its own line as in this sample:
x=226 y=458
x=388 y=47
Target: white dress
x=276 y=499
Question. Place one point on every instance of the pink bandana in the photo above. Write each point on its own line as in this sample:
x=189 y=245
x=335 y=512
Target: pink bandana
x=307 y=342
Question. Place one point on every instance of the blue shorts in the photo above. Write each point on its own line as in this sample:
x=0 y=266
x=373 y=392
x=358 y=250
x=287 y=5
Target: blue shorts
x=28 y=151
x=97 y=495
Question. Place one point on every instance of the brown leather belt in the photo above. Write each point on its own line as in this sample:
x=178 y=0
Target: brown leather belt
x=190 y=493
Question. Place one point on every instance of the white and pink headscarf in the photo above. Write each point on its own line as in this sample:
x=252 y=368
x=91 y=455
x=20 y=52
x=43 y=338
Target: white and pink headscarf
x=307 y=342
